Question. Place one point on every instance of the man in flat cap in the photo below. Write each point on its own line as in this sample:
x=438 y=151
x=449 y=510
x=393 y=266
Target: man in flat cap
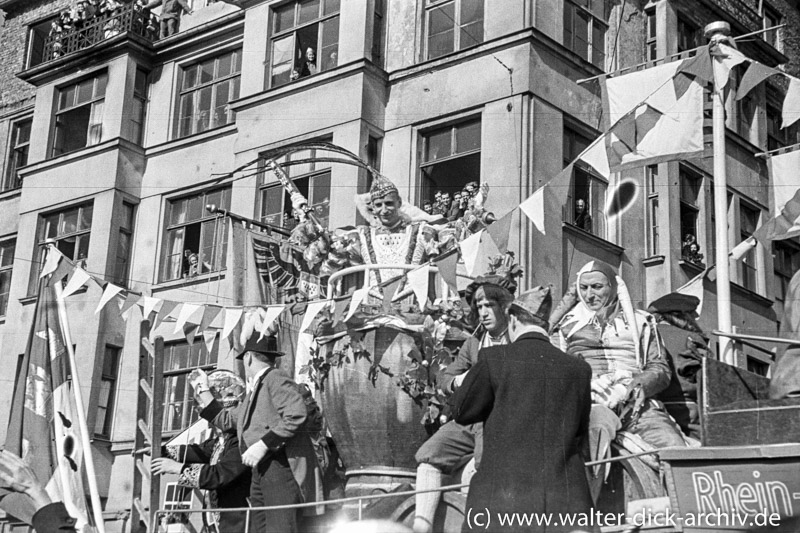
x=270 y=425
x=534 y=401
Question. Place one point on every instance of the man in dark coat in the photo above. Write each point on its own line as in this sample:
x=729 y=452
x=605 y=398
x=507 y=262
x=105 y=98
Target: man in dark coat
x=534 y=401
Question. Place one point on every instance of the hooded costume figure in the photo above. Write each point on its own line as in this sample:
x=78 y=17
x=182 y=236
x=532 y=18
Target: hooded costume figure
x=629 y=364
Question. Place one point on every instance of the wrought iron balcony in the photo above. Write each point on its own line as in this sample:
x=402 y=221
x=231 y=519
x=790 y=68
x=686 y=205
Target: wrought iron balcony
x=127 y=19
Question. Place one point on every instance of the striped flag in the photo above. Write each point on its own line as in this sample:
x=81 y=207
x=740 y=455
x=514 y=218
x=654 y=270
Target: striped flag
x=43 y=427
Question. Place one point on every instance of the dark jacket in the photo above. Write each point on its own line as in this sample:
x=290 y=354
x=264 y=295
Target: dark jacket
x=534 y=401
x=216 y=465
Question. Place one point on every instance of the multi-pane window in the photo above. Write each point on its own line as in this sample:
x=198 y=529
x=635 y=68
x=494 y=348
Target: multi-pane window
x=778 y=137
x=651 y=176
x=451 y=158
x=586 y=197
x=745 y=108
x=6 y=264
x=585 y=29
x=770 y=18
x=137 y=114
x=651 y=43
x=690 y=184
x=206 y=89
x=787 y=262
x=71 y=230
x=17 y=154
x=108 y=388
x=452 y=25
x=689 y=35
x=312 y=179
x=748 y=222
x=196 y=240
x=79 y=115
x=757 y=366
x=305 y=39
x=125 y=237
x=180 y=358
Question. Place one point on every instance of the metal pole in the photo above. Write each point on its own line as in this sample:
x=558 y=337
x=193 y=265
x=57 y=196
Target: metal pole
x=715 y=32
x=97 y=508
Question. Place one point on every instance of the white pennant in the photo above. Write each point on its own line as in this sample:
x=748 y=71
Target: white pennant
x=358 y=297
x=78 y=279
x=741 y=249
x=232 y=317
x=187 y=314
x=596 y=156
x=723 y=64
x=110 y=292
x=51 y=262
x=469 y=251
x=150 y=304
x=533 y=208
x=694 y=287
x=791 y=103
x=418 y=280
x=273 y=312
x=208 y=337
x=312 y=311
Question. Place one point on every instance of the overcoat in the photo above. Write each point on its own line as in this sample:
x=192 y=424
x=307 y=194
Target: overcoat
x=534 y=401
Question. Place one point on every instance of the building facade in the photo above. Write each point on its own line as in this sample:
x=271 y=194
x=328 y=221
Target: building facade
x=115 y=139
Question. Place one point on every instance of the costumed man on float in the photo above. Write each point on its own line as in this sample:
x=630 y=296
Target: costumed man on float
x=596 y=321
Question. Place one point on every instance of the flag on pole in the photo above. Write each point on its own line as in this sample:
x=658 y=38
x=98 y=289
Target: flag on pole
x=43 y=426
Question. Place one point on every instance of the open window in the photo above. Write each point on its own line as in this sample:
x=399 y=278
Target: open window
x=586 y=198
x=690 y=184
x=451 y=158
x=195 y=241
x=79 y=114
x=71 y=229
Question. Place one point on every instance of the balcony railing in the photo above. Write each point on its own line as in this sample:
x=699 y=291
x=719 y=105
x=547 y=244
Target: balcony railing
x=126 y=19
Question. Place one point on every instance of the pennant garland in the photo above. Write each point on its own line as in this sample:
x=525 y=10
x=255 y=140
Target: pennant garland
x=314 y=308
x=418 y=280
x=359 y=295
x=272 y=313
x=78 y=280
x=109 y=293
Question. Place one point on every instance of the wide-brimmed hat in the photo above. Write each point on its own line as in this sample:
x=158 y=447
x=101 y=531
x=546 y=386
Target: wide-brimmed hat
x=268 y=345
x=537 y=301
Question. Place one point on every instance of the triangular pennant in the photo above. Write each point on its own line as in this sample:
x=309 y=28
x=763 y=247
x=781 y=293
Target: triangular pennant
x=110 y=292
x=533 y=208
x=725 y=58
x=51 y=261
x=418 y=280
x=756 y=73
x=232 y=317
x=499 y=231
x=78 y=279
x=209 y=337
x=447 y=269
x=167 y=307
x=128 y=304
x=694 y=287
x=189 y=313
x=741 y=249
x=209 y=314
x=698 y=68
x=312 y=311
x=596 y=157
x=389 y=292
x=358 y=296
x=339 y=309
x=783 y=226
x=470 y=248
x=189 y=332
x=273 y=312
x=791 y=104
x=63 y=270
x=783 y=178
x=150 y=304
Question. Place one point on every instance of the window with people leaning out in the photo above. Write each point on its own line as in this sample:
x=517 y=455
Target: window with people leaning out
x=451 y=164
x=305 y=40
x=79 y=114
x=180 y=358
x=195 y=240
x=206 y=89
x=586 y=198
x=585 y=25
x=71 y=230
x=312 y=179
x=452 y=25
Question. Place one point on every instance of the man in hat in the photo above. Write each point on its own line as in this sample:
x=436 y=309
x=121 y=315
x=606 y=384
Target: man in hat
x=686 y=346
x=534 y=401
x=628 y=361
x=271 y=436
x=455 y=444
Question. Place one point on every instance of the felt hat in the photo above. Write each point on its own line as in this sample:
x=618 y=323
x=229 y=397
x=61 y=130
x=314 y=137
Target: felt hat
x=537 y=301
x=268 y=345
